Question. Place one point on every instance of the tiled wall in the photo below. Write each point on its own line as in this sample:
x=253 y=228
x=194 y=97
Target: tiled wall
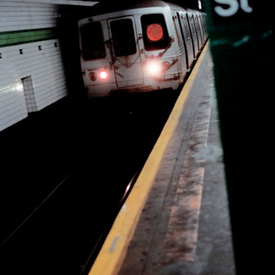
x=29 y=49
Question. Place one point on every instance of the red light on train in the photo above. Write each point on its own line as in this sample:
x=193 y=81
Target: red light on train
x=155 y=32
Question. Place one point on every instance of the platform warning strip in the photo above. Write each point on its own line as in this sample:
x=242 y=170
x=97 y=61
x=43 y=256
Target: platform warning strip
x=113 y=251
x=180 y=241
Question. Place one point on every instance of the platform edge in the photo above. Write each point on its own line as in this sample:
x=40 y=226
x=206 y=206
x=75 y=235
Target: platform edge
x=114 y=249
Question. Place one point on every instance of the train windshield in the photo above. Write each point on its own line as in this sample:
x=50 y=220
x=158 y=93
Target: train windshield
x=92 y=42
x=155 y=33
x=123 y=37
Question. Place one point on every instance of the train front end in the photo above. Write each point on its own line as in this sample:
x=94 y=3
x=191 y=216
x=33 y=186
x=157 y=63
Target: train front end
x=131 y=51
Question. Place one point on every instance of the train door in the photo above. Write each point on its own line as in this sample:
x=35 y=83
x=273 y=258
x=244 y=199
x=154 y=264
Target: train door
x=125 y=51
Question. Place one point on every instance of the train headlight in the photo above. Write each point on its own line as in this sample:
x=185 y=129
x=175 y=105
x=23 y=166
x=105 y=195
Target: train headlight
x=103 y=75
x=153 y=68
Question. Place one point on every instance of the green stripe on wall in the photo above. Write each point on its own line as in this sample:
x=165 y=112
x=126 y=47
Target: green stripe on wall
x=26 y=36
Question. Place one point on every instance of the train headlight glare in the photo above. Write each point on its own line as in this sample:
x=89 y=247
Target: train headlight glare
x=103 y=75
x=153 y=68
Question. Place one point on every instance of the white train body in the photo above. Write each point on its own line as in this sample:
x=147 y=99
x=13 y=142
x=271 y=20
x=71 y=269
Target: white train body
x=139 y=47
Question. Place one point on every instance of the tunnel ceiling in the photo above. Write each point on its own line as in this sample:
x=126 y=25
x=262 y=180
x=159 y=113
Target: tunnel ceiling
x=185 y=3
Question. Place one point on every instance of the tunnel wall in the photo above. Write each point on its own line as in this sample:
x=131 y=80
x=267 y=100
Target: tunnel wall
x=32 y=75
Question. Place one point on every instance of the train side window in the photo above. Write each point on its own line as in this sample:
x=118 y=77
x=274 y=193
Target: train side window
x=155 y=34
x=186 y=28
x=179 y=28
x=92 y=42
x=192 y=26
x=196 y=22
x=123 y=37
x=176 y=30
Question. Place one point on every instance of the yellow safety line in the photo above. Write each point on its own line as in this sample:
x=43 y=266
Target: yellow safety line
x=113 y=251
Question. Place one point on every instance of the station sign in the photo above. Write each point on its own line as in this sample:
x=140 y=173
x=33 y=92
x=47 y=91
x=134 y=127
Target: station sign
x=232 y=11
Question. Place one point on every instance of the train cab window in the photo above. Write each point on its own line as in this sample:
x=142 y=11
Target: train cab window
x=92 y=42
x=123 y=37
x=154 y=31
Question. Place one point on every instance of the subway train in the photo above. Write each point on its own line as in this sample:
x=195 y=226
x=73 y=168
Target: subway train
x=138 y=47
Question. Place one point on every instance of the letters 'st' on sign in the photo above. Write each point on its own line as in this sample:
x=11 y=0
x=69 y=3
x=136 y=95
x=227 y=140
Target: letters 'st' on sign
x=228 y=11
